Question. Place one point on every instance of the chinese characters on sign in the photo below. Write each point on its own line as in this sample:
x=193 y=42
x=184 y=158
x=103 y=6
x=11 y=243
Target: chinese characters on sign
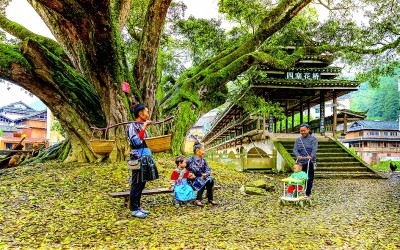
x=303 y=75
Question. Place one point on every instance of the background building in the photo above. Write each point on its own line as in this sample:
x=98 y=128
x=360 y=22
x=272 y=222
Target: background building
x=374 y=139
x=18 y=120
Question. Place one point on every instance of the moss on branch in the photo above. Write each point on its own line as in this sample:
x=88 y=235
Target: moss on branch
x=67 y=79
x=11 y=54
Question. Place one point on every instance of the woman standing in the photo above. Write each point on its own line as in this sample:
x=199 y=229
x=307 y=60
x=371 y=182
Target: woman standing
x=202 y=178
x=305 y=149
x=140 y=153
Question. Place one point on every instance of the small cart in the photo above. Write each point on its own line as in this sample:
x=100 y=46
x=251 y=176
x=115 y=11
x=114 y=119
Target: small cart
x=299 y=198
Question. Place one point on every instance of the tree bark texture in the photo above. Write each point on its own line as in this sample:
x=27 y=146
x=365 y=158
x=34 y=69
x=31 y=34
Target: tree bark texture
x=146 y=73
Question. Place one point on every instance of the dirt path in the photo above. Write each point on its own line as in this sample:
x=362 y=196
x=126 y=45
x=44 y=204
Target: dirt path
x=67 y=206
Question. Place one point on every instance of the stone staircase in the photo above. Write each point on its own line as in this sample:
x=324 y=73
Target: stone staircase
x=333 y=161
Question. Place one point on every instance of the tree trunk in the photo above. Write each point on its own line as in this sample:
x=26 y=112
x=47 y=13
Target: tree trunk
x=146 y=68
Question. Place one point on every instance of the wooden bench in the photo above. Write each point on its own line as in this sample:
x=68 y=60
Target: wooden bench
x=125 y=194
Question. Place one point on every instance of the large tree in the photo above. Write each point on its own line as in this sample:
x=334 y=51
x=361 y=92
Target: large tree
x=100 y=44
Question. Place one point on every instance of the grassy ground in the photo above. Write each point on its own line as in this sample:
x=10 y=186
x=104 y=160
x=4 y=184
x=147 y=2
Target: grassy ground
x=52 y=206
x=384 y=165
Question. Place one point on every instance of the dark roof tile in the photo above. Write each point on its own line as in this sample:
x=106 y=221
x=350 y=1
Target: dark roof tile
x=374 y=125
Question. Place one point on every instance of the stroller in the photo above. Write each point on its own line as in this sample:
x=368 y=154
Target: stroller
x=299 y=197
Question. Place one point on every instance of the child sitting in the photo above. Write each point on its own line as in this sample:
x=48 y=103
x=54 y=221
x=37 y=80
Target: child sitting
x=183 y=192
x=298 y=174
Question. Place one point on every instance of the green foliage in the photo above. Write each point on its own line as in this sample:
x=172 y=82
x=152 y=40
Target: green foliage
x=216 y=56
x=1 y=132
x=56 y=126
x=248 y=14
x=382 y=102
x=3 y=6
x=298 y=32
x=243 y=96
x=202 y=38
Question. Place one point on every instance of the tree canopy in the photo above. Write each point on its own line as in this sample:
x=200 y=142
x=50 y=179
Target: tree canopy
x=149 y=43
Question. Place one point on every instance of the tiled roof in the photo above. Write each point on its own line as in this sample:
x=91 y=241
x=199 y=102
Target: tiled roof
x=33 y=116
x=374 y=125
x=8 y=119
x=18 y=108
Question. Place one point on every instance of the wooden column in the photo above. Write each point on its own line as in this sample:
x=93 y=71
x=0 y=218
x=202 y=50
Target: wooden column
x=308 y=112
x=322 y=112
x=301 y=109
x=345 y=123
x=334 y=114
x=270 y=122
x=287 y=118
x=292 y=119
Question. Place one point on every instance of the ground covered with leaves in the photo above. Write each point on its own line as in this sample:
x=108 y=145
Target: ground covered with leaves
x=62 y=206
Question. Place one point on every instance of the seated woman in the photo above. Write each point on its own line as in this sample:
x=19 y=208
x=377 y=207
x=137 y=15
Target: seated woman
x=202 y=178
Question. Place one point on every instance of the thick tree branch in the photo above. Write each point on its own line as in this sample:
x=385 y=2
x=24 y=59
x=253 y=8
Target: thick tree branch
x=230 y=72
x=90 y=37
x=123 y=12
x=146 y=74
x=278 y=18
x=22 y=33
x=39 y=74
x=360 y=50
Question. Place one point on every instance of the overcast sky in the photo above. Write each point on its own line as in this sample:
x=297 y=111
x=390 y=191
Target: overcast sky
x=21 y=12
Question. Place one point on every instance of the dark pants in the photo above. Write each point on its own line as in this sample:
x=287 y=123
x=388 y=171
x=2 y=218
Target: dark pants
x=209 y=186
x=136 y=191
x=310 y=176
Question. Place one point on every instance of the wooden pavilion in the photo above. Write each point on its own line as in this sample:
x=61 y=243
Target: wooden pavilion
x=310 y=82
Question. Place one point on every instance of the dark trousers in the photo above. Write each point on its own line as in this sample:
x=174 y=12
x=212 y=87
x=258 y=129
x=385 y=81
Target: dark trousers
x=209 y=186
x=136 y=191
x=310 y=176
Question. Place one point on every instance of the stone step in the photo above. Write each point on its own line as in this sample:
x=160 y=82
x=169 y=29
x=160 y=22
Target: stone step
x=333 y=158
x=320 y=144
x=325 y=151
x=332 y=153
x=343 y=175
x=334 y=162
x=337 y=159
x=338 y=164
x=329 y=150
x=343 y=168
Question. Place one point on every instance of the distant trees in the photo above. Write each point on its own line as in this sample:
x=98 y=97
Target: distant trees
x=382 y=101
